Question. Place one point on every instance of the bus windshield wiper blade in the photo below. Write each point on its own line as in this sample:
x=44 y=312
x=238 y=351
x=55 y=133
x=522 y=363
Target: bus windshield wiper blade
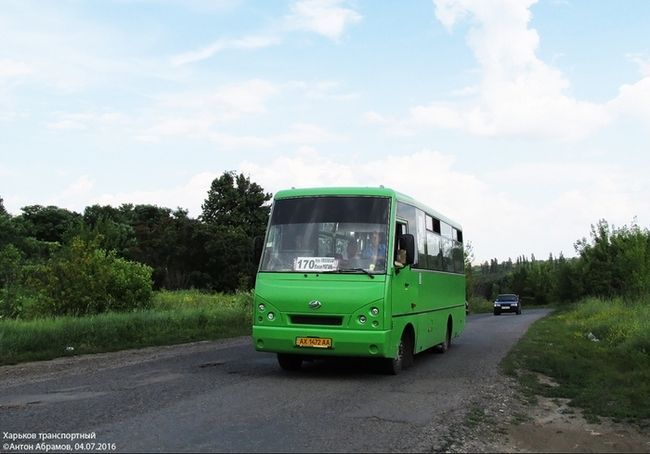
x=349 y=270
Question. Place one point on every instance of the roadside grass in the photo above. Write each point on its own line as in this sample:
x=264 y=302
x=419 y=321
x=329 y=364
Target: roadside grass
x=598 y=353
x=176 y=317
x=475 y=416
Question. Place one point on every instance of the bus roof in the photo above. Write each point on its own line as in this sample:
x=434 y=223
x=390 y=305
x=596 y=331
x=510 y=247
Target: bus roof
x=363 y=191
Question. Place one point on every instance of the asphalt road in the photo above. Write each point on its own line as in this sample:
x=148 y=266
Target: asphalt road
x=224 y=396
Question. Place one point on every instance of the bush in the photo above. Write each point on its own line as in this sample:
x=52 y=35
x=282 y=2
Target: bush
x=130 y=285
x=82 y=279
x=479 y=305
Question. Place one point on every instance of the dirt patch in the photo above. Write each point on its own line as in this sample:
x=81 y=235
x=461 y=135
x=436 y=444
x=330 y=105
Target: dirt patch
x=555 y=427
x=500 y=420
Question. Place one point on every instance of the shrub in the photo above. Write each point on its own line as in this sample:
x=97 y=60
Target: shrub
x=130 y=284
x=82 y=279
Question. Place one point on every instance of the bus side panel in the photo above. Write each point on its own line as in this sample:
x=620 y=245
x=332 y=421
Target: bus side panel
x=441 y=295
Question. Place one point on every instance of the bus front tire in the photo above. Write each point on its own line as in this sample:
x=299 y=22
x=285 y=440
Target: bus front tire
x=404 y=357
x=289 y=362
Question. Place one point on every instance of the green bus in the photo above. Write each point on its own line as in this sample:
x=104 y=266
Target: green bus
x=364 y=272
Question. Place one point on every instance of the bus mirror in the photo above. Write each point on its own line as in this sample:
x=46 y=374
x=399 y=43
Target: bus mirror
x=258 y=244
x=407 y=242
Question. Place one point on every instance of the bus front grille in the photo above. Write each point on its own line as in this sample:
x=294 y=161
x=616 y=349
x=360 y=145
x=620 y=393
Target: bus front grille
x=332 y=320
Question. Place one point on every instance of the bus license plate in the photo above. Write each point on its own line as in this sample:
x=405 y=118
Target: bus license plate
x=315 y=342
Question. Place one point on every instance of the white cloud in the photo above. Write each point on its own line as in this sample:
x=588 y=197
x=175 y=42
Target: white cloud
x=297 y=134
x=13 y=68
x=197 y=114
x=324 y=17
x=6 y=171
x=189 y=195
x=643 y=62
x=634 y=99
x=305 y=133
x=225 y=102
x=427 y=175
x=81 y=185
x=207 y=115
x=246 y=43
x=88 y=120
x=518 y=94
x=54 y=47
x=74 y=195
x=322 y=90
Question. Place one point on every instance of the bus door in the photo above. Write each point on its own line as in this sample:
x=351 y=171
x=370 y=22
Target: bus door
x=405 y=285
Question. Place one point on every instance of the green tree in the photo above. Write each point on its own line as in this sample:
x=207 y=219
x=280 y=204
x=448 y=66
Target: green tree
x=630 y=251
x=3 y=212
x=568 y=280
x=234 y=212
x=234 y=201
x=156 y=239
x=469 y=275
x=10 y=276
x=9 y=232
x=111 y=229
x=51 y=223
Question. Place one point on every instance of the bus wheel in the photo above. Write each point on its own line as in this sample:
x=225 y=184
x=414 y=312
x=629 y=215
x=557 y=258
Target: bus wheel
x=404 y=357
x=289 y=362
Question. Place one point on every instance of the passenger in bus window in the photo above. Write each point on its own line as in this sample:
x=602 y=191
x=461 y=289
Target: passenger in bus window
x=352 y=255
x=375 y=250
x=352 y=250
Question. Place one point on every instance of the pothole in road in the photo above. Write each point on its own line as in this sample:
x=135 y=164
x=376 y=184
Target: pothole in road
x=212 y=364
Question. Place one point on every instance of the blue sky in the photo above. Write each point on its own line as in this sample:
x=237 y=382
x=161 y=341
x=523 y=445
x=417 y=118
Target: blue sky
x=525 y=121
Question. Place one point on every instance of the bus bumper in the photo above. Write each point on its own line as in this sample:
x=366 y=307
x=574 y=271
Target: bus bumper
x=343 y=342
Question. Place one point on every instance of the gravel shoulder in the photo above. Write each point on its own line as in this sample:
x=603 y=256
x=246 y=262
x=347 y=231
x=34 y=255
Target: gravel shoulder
x=501 y=420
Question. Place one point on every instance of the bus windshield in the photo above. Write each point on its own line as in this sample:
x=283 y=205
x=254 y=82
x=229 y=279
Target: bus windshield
x=327 y=234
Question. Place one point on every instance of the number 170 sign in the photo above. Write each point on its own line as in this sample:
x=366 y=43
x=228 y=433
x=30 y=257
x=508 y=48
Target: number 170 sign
x=315 y=264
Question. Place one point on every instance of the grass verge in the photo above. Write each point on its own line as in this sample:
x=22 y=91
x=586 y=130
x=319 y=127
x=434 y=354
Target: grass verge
x=598 y=353
x=176 y=317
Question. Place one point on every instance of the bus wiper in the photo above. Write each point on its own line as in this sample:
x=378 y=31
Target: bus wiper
x=351 y=270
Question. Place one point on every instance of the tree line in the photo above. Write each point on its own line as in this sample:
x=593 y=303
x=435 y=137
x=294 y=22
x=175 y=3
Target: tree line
x=612 y=262
x=113 y=257
x=55 y=261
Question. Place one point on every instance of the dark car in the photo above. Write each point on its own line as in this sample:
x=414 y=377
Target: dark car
x=507 y=302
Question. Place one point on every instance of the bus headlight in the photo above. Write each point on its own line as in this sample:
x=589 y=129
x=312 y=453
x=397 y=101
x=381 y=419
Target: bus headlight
x=261 y=307
x=374 y=311
x=362 y=319
x=271 y=316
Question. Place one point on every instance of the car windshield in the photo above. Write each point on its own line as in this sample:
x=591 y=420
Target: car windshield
x=327 y=234
x=507 y=298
